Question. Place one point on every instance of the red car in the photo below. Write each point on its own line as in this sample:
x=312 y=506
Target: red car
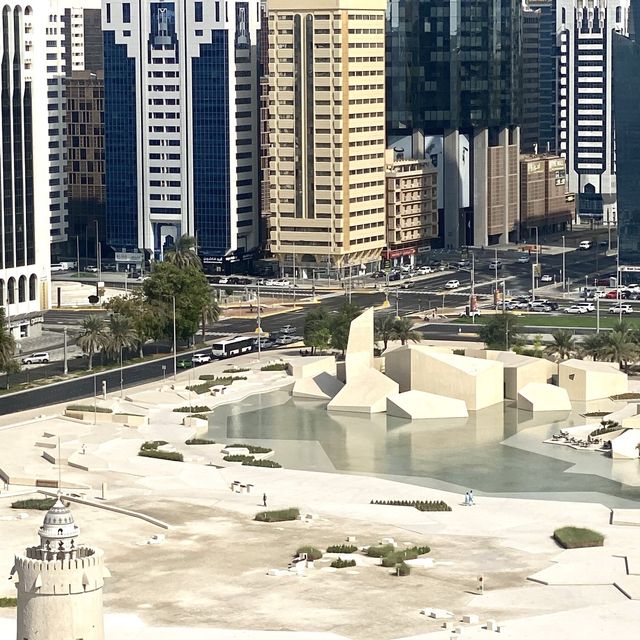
x=615 y=294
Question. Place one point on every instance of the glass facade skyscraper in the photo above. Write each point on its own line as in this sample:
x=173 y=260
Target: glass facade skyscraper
x=181 y=127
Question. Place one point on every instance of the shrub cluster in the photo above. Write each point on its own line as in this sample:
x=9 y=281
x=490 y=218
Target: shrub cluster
x=152 y=445
x=280 y=515
x=577 y=537
x=236 y=370
x=202 y=416
x=397 y=557
x=252 y=462
x=40 y=504
x=88 y=407
x=420 y=505
x=199 y=441
x=380 y=551
x=276 y=366
x=607 y=427
x=342 y=548
x=341 y=564
x=211 y=381
x=313 y=553
x=194 y=408
x=252 y=448
x=175 y=456
x=627 y=396
x=208 y=377
x=403 y=569
x=237 y=457
x=8 y=602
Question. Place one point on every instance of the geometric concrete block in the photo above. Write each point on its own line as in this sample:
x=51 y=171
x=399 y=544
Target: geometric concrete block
x=310 y=366
x=366 y=393
x=358 y=356
x=321 y=387
x=586 y=380
x=537 y=396
x=625 y=446
x=479 y=383
x=420 y=405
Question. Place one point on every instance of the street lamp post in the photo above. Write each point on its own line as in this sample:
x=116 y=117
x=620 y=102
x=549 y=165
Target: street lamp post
x=98 y=258
x=95 y=398
x=259 y=322
x=175 y=342
x=64 y=356
x=564 y=279
x=121 y=380
x=78 y=255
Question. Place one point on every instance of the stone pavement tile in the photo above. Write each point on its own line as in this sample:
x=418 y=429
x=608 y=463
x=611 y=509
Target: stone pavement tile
x=630 y=586
x=629 y=517
x=583 y=569
x=633 y=563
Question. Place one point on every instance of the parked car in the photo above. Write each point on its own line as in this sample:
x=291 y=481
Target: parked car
x=576 y=309
x=523 y=259
x=617 y=294
x=91 y=269
x=589 y=306
x=546 y=278
x=200 y=358
x=495 y=264
x=36 y=358
x=621 y=308
x=539 y=307
x=393 y=277
x=423 y=271
x=287 y=329
x=452 y=284
x=585 y=245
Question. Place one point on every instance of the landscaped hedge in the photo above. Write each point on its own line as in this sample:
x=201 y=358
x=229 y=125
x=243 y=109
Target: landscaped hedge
x=212 y=381
x=8 y=602
x=201 y=416
x=199 y=441
x=152 y=445
x=280 y=515
x=397 y=557
x=342 y=548
x=276 y=366
x=626 y=396
x=39 y=504
x=236 y=370
x=175 y=456
x=313 y=553
x=252 y=448
x=252 y=462
x=237 y=457
x=420 y=505
x=403 y=569
x=194 y=408
x=88 y=407
x=380 y=551
x=341 y=564
x=577 y=538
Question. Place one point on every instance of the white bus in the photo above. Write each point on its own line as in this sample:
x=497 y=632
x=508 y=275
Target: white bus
x=233 y=346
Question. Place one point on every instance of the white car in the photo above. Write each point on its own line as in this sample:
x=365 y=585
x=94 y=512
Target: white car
x=91 y=269
x=621 y=308
x=589 y=306
x=546 y=278
x=576 y=308
x=523 y=259
x=200 y=358
x=287 y=329
x=41 y=357
x=584 y=245
x=423 y=271
x=452 y=284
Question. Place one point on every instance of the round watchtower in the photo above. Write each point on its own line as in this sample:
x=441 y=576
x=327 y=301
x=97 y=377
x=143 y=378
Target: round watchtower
x=60 y=583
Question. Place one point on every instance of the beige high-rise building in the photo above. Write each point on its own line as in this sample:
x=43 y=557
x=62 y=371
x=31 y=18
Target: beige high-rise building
x=327 y=134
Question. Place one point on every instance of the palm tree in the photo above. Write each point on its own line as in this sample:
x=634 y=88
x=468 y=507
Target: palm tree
x=92 y=338
x=591 y=346
x=620 y=347
x=121 y=335
x=384 y=330
x=7 y=342
x=403 y=331
x=184 y=253
x=210 y=313
x=563 y=345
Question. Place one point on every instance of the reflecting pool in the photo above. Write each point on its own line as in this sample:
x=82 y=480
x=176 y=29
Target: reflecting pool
x=498 y=450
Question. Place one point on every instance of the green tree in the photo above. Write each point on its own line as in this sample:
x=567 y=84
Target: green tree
x=210 y=313
x=184 y=253
x=10 y=367
x=341 y=324
x=591 y=346
x=384 y=330
x=619 y=346
x=93 y=337
x=121 y=335
x=191 y=291
x=403 y=331
x=7 y=342
x=563 y=345
x=501 y=331
x=317 y=334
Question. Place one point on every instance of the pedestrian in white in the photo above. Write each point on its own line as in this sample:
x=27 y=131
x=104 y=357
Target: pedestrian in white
x=466 y=499
x=471 y=502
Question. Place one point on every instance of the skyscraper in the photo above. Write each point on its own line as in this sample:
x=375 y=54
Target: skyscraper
x=530 y=129
x=181 y=126
x=584 y=111
x=24 y=250
x=453 y=72
x=326 y=128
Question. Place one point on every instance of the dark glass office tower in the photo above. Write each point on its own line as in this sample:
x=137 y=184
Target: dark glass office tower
x=453 y=73
x=626 y=91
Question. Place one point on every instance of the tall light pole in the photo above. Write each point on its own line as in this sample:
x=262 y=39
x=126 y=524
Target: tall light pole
x=259 y=323
x=121 y=381
x=78 y=254
x=98 y=259
x=175 y=342
x=564 y=278
x=495 y=284
x=66 y=366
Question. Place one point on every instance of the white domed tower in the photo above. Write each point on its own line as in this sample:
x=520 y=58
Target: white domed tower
x=60 y=583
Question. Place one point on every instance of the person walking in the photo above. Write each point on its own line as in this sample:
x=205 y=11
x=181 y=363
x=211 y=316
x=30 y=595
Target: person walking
x=471 y=502
x=264 y=499
x=466 y=499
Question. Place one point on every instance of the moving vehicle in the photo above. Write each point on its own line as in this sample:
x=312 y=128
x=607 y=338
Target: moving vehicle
x=36 y=358
x=200 y=358
x=539 y=307
x=616 y=294
x=423 y=271
x=589 y=306
x=62 y=266
x=452 y=284
x=546 y=278
x=91 y=269
x=184 y=364
x=524 y=259
x=585 y=245
x=576 y=309
x=232 y=346
x=287 y=329
x=621 y=308
x=495 y=264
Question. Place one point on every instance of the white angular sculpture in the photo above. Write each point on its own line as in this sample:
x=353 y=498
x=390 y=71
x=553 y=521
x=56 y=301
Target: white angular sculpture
x=321 y=387
x=585 y=380
x=420 y=405
x=479 y=383
x=358 y=357
x=625 y=446
x=537 y=396
x=365 y=393
x=310 y=366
